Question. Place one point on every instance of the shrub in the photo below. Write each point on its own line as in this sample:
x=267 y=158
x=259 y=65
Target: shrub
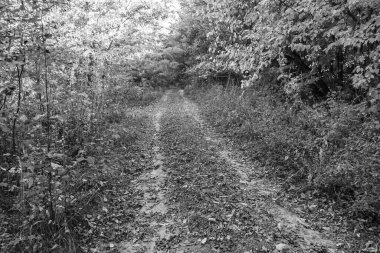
x=332 y=147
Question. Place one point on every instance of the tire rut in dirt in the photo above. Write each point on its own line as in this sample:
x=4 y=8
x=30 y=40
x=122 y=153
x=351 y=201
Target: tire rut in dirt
x=307 y=238
x=152 y=221
x=217 y=215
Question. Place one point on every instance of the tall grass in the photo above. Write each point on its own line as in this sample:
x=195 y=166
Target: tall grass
x=331 y=148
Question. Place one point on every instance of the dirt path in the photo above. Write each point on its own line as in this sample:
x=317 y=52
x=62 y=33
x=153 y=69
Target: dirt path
x=151 y=222
x=307 y=238
x=202 y=196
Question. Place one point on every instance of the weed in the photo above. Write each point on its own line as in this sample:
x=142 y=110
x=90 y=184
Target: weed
x=331 y=147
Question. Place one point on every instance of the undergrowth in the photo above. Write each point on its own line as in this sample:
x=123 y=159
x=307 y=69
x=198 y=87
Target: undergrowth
x=48 y=200
x=331 y=148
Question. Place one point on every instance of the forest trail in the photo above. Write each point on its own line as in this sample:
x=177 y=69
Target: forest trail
x=203 y=196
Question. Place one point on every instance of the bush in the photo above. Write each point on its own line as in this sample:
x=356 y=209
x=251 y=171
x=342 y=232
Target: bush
x=332 y=147
x=46 y=196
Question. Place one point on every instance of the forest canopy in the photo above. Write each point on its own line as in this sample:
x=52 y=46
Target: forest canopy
x=317 y=47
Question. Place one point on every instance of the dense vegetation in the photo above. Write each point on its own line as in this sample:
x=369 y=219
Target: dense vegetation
x=69 y=70
x=295 y=83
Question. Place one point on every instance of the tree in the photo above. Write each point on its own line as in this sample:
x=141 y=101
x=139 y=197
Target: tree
x=61 y=63
x=320 y=46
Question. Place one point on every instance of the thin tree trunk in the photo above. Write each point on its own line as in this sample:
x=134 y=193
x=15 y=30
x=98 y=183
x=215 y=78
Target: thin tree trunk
x=340 y=66
x=20 y=71
x=46 y=92
x=50 y=176
x=3 y=103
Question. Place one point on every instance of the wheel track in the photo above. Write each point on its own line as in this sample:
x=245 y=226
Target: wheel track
x=307 y=237
x=169 y=220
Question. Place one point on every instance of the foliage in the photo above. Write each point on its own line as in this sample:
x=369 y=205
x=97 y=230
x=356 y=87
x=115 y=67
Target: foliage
x=318 y=46
x=328 y=147
x=61 y=64
x=308 y=107
x=69 y=70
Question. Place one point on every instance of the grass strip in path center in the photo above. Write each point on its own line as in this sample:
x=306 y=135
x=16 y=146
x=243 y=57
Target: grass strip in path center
x=217 y=215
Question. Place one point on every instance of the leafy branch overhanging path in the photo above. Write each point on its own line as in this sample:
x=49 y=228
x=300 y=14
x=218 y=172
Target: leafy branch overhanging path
x=202 y=196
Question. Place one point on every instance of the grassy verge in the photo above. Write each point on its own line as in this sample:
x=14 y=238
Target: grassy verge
x=330 y=150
